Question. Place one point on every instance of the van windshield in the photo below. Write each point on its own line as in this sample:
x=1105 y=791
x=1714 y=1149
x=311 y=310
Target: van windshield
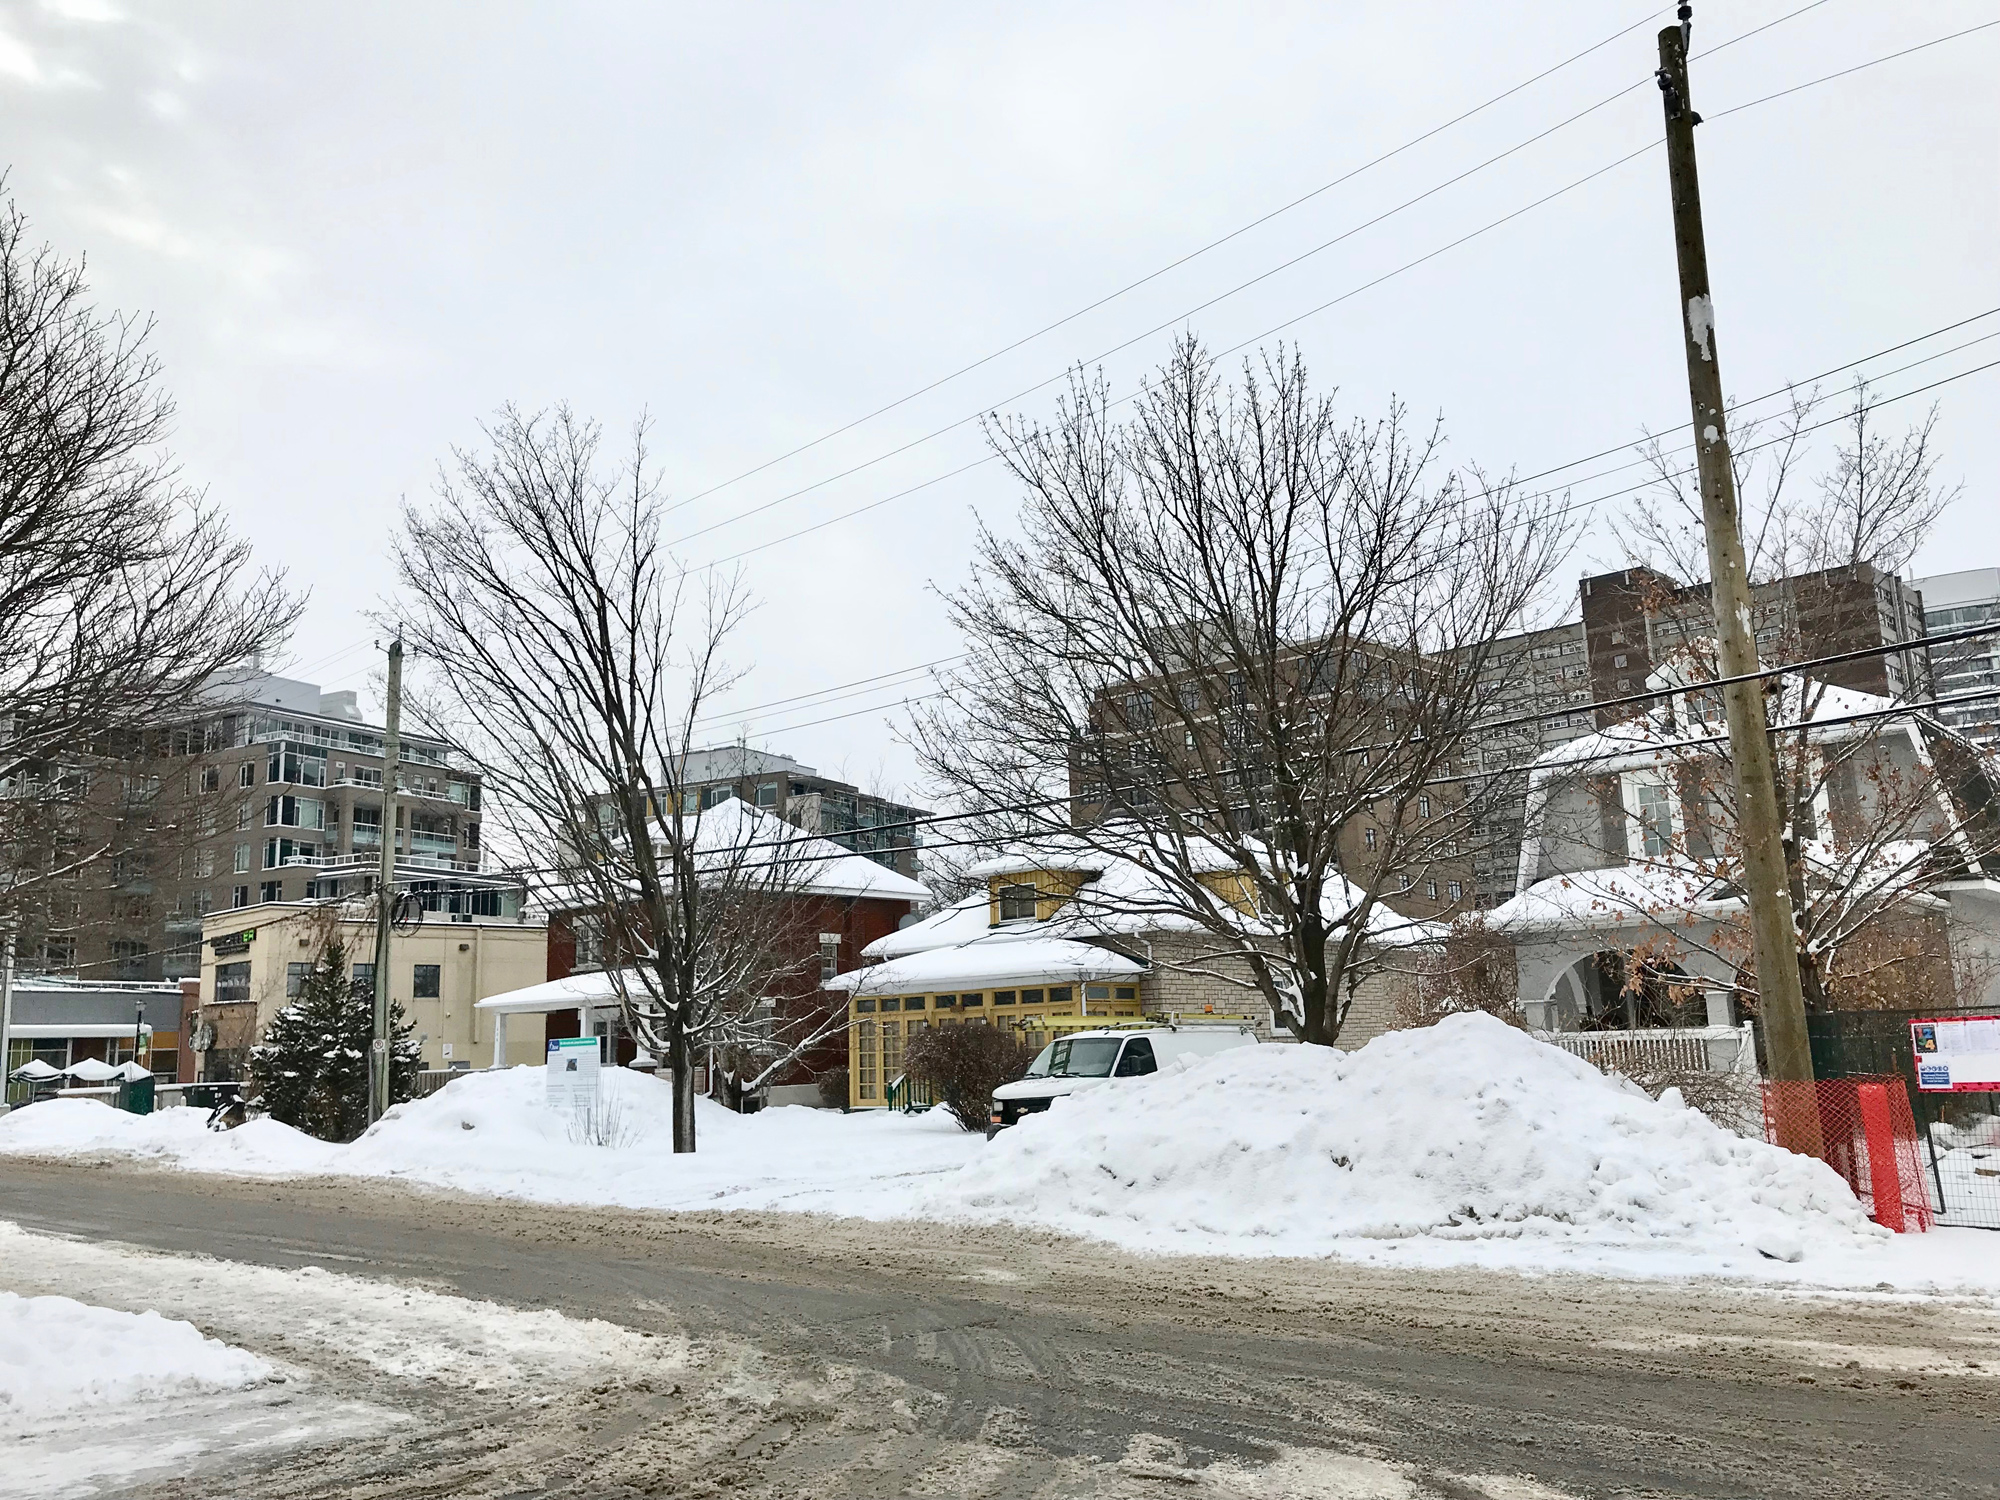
x=1082 y=1057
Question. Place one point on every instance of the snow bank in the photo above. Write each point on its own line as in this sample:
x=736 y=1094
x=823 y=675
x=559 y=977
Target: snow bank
x=493 y=1132
x=1467 y=1130
x=57 y=1354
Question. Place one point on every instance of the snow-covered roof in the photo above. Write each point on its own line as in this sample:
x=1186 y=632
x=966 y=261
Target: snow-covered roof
x=733 y=832
x=595 y=987
x=737 y=841
x=1646 y=738
x=1002 y=960
x=1613 y=897
x=1125 y=898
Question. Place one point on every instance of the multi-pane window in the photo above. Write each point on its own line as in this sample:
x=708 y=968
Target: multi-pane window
x=242 y=858
x=364 y=978
x=296 y=765
x=1017 y=903
x=295 y=978
x=892 y=1051
x=232 y=983
x=829 y=955
x=426 y=981
x=295 y=812
x=273 y=890
x=864 y=1060
x=1656 y=818
x=246 y=774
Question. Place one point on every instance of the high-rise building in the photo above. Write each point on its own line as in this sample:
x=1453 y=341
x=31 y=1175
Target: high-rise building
x=268 y=791
x=1957 y=601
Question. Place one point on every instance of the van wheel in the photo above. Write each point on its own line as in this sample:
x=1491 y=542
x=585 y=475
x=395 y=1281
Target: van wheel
x=993 y=1130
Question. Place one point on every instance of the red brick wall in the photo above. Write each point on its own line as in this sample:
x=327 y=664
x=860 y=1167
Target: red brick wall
x=858 y=920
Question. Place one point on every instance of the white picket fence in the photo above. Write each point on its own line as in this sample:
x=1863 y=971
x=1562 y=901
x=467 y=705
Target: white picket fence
x=1692 y=1049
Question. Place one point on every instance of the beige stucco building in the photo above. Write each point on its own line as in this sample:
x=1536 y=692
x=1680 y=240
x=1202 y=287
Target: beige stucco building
x=250 y=957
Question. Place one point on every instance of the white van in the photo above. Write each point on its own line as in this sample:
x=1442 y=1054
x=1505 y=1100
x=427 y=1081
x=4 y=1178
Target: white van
x=1089 y=1059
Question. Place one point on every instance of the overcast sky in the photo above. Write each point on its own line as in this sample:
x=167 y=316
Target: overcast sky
x=364 y=227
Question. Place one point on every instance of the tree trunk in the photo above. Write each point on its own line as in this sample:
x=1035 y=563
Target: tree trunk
x=680 y=1062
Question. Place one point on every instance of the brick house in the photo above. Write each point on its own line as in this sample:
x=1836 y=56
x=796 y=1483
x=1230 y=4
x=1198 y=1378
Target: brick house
x=841 y=903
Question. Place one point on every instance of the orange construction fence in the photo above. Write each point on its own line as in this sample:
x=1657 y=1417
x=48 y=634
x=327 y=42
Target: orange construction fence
x=1863 y=1129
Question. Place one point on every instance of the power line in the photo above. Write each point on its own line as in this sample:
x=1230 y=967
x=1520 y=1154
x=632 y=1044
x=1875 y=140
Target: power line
x=1488 y=726
x=1238 y=232
x=1191 y=255
x=1257 y=338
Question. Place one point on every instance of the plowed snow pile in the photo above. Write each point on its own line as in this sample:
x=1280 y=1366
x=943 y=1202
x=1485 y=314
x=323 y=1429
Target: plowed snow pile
x=57 y=1354
x=1466 y=1130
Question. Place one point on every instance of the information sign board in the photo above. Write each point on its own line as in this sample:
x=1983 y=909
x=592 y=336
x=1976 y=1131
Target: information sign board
x=572 y=1072
x=1957 y=1054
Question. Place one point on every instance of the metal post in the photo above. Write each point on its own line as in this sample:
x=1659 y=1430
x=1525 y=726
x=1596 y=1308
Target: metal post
x=6 y=1015
x=385 y=890
x=1780 y=1000
x=138 y=1026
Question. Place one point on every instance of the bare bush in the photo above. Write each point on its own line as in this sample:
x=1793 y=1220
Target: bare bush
x=1473 y=969
x=833 y=1088
x=963 y=1065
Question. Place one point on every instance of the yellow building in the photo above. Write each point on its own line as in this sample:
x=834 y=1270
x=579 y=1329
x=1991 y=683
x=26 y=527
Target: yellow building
x=1053 y=944
x=253 y=957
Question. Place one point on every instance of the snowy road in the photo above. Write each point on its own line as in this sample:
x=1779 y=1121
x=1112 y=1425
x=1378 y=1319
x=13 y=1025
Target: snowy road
x=834 y=1357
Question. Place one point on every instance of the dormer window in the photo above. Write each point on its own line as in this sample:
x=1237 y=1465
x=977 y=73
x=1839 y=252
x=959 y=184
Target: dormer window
x=1017 y=903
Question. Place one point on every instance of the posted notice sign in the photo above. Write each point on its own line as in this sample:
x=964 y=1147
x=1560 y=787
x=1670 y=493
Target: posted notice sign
x=572 y=1072
x=1957 y=1054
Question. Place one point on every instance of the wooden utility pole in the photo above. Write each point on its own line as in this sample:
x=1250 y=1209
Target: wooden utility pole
x=385 y=890
x=1781 y=1004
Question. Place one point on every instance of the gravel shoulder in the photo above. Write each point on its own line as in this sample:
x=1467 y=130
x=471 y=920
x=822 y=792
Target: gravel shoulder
x=832 y=1357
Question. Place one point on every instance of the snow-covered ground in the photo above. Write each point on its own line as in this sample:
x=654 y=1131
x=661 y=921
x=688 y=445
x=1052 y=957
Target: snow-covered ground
x=99 y=1397
x=1464 y=1143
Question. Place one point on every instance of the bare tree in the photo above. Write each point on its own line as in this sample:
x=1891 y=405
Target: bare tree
x=570 y=657
x=124 y=598
x=1243 y=641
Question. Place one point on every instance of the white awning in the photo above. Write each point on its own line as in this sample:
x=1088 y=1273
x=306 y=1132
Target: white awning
x=986 y=965
x=593 y=988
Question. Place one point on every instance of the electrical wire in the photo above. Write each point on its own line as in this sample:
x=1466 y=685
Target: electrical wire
x=1257 y=338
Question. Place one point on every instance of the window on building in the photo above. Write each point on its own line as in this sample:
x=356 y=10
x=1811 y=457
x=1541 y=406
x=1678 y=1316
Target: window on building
x=364 y=978
x=864 y=1059
x=204 y=864
x=296 y=765
x=1431 y=889
x=295 y=979
x=204 y=903
x=1368 y=839
x=1424 y=805
x=1017 y=903
x=295 y=812
x=239 y=895
x=232 y=983
x=913 y=1002
x=426 y=981
x=243 y=812
x=128 y=960
x=246 y=774
x=829 y=955
x=1059 y=995
x=211 y=778
x=1033 y=997
x=710 y=796
x=1003 y=997
x=1457 y=890
x=767 y=794
x=242 y=858
x=272 y=890
x=1656 y=818
x=965 y=1000
x=946 y=1002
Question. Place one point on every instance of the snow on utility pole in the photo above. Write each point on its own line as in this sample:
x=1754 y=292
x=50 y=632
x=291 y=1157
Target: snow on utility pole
x=385 y=890
x=1780 y=1001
